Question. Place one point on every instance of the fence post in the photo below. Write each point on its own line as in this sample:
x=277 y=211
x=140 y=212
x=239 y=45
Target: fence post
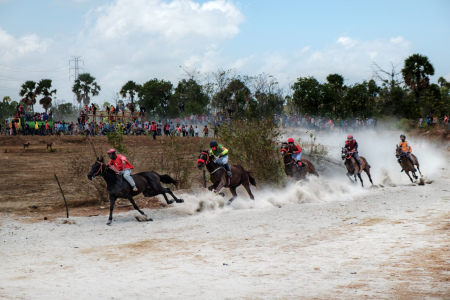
x=204 y=178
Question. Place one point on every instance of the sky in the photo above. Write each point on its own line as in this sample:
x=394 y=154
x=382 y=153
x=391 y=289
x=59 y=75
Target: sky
x=121 y=40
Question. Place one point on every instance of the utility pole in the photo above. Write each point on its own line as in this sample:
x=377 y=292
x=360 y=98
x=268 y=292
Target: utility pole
x=76 y=68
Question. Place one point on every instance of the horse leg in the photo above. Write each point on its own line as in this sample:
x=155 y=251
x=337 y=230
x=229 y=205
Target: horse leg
x=173 y=196
x=233 y=192
x=135 y=206
x=167 y=199
x=360 y=179
x=247 y=188
x=112 y=202
x=349 y=177
x=368 y=174
x=219 y=187
x=211 y=187
x=407 y=173
x=419 y=170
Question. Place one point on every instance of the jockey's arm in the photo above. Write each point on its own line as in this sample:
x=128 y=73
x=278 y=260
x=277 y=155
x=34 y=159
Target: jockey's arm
x=224 y=152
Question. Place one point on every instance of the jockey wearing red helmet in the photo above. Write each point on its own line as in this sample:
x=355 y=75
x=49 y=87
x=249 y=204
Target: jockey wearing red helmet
x=352 y=146
x=120 y=165
x=296 y=151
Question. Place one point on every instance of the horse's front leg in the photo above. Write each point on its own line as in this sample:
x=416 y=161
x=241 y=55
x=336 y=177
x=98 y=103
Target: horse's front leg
x=135 y=206
x=112 y=202
x=219 y=186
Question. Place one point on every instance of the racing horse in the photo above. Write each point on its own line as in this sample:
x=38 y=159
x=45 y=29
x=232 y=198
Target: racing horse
x=220 y=179
x=290 y=167
x=148 y=183
x=353 y=167
x=406 y=163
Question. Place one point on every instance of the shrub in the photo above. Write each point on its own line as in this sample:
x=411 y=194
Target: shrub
x=254 y=145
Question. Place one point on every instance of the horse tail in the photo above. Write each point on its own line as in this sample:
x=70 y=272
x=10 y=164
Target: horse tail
x=251 y=179
x=167 y=179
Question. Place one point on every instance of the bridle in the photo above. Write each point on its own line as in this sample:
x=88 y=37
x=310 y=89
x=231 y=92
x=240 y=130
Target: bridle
x=99 y=169
x=202 y=160
x=286 y=152
x=207 y=162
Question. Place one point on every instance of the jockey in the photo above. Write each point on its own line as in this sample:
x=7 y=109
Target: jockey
x=406 y=148
x=352 y=146
x=296 y=152
x=222 y=155
x=120 y=165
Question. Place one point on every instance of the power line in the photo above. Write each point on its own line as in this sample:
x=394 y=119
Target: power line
x=14 y=69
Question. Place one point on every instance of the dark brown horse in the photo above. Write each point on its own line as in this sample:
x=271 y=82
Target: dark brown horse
x=148 y=183
x=220 y=179
x=406 y=163
x=290 y=167
x=353 y=167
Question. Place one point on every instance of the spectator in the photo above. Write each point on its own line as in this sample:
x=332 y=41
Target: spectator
x=205 y=131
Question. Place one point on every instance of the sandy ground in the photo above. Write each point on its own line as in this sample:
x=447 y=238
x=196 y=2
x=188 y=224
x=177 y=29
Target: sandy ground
x=325 y=239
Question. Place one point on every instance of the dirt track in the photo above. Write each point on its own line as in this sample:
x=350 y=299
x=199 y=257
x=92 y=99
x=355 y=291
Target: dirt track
x=325 y=239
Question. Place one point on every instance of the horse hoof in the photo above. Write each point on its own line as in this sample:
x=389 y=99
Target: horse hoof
x=180 y=201
x=169 y=202
x=109 y=223
x=222 y=194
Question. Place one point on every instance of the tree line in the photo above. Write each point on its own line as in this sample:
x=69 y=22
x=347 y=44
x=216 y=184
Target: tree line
x=405 y=94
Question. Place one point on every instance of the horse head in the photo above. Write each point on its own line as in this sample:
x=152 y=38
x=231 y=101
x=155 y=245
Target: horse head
x=97 y=168
x=203 y=159
x=284 y=149
x=398 y=151
x=344 y=153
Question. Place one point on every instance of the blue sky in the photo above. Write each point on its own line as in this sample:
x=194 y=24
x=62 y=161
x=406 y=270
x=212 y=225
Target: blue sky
x=144 y=39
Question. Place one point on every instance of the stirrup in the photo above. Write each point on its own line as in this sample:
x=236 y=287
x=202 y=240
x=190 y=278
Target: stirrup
x=229 y=174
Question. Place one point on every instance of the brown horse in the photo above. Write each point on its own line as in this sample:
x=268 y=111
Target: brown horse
x=290 y=167
x=406 y=163
x=220 y=179
x=353 y=167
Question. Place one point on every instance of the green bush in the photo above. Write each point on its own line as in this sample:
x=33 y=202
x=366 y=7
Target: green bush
x=115 y=139
x=405 y=124
x=254 y=145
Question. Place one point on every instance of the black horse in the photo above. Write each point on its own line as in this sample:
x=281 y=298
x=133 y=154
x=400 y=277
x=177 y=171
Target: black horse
x=148 y=183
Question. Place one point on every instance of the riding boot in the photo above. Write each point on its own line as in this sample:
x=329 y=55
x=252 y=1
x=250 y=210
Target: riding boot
x=227 y=167
x=299 y=167
x=360 y=166
x=412 y=162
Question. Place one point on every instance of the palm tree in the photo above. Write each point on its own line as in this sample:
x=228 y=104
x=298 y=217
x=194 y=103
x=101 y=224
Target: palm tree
x=131 y=88
x=44 y=87
x=7 y=99
x=29 y=91
x=415 y=72
x=84 y=86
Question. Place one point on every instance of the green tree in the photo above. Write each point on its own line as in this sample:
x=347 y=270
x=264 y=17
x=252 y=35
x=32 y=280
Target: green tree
x=7 y=109
x=191 y=94
x=85 y=86
x=64 y=111
x=29 y=91
x=308 y=95
x=155 y=96
x=7 y=99
x=333 y=93
x=130 y=88
x=44 y=88
x=415 y=73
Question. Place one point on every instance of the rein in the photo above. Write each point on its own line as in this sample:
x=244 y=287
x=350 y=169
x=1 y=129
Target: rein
x=100 y=169
x=287 y=152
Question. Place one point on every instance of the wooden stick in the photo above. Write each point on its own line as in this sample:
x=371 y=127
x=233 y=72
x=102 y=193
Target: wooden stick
x=67 y=208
